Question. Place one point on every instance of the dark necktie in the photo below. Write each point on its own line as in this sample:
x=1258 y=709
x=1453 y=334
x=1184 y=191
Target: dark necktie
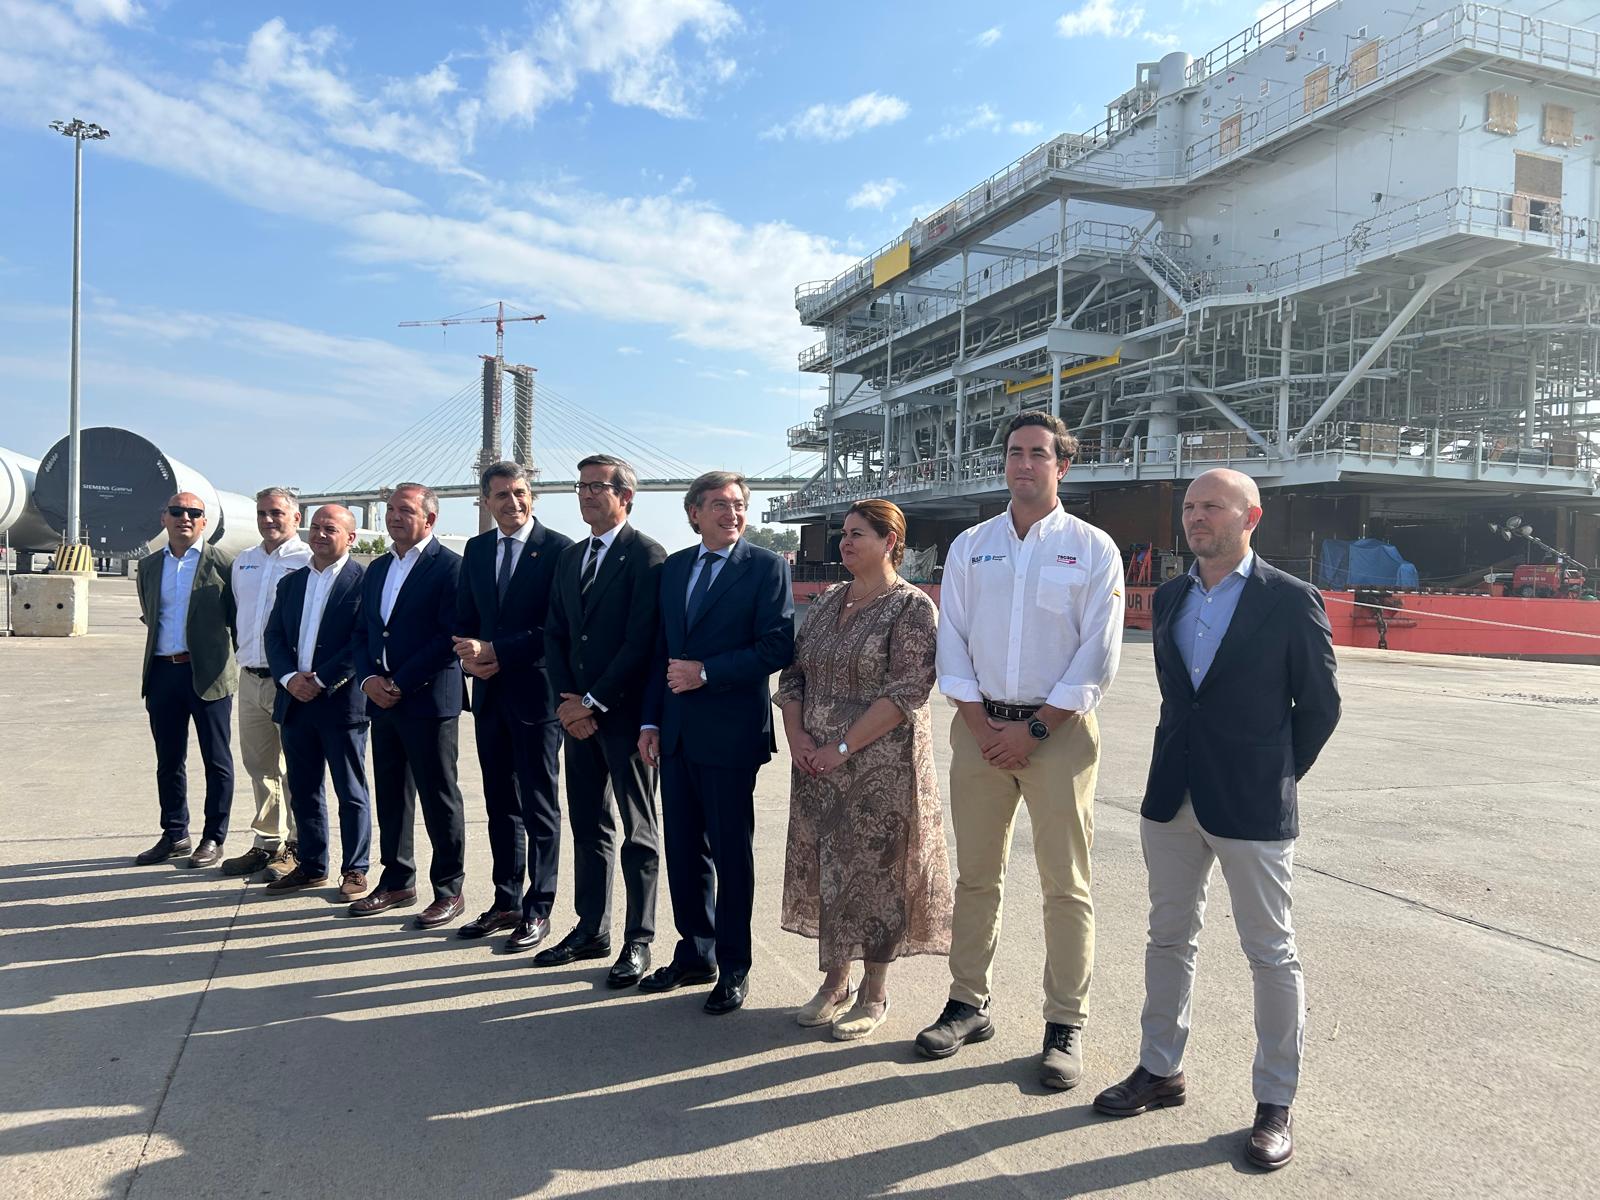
x=590 y=567
x=702 y=585
x=503 y=580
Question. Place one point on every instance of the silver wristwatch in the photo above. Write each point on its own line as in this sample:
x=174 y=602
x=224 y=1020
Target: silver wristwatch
x=703 y=678
x=844 y=749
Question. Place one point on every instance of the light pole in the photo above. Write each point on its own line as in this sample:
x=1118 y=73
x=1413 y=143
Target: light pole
x=78 y=131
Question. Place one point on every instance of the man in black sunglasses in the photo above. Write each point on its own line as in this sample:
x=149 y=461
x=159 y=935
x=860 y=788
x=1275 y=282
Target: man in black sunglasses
x=190 y=675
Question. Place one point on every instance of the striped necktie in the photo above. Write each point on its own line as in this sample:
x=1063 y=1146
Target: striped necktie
x=592 y=566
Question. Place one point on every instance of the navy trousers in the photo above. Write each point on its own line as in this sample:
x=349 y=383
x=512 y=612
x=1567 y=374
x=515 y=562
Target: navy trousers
x=314 y=751
x=172 y=704
x=520 y=765
x=708 y=819
x=414 y=764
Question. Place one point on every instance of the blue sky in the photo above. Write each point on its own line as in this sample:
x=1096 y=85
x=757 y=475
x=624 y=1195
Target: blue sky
x=285 y=183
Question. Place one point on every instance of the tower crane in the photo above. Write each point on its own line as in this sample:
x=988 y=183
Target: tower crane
x=499 y=320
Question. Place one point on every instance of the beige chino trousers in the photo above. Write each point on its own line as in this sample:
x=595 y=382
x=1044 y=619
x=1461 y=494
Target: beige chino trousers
x=262 y=751
x=1058 y=787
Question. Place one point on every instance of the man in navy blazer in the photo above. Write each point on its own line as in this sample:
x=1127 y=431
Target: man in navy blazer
x=727 y=623
x=310 y=640
x=506 y=576
x=1249 y=696
x=406 y=661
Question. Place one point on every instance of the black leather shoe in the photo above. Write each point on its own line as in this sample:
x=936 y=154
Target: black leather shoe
x=164 y=849
x=574 y=946
x=671 y=977
x=1271 y=1143
x=630 y=966
x=1140 y=1092
x=442 y=911
x=957 y=1025
x=729 y=993
x=530 y=931
x=491 y=921
x=207 y=853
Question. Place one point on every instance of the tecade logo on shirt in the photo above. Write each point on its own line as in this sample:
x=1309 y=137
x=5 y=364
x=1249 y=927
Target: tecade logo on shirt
x=1067 y=560
x=983 y=558
x=249 y=566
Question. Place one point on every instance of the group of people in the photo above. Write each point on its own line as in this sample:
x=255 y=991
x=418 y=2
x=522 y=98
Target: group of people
x=645 y=670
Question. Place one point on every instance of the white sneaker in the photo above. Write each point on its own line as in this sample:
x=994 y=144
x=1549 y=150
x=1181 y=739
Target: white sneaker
x=822 y=1008
x=859 y=1021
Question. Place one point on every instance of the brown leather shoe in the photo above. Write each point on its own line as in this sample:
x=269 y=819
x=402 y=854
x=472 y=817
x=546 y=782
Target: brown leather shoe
x=441 y=912
x=378 y=902
x=297 y=880
x=353 y=885
x=490 y=921
x=1271 y=1144
x=1140 y=1092
x=284 y=861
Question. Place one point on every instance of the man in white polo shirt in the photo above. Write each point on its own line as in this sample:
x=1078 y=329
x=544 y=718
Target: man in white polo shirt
x=256 y=574
x=1030 y=633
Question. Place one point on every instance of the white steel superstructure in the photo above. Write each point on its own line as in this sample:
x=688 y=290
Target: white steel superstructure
x=1350 y=251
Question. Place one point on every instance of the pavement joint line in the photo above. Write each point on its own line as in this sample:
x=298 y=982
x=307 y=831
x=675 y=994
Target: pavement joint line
x=194 y=1019
x=1510 y=934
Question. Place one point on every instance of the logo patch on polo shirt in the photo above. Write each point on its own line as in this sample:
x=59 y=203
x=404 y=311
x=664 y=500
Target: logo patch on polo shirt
x=1067 y=560
x=983 y=558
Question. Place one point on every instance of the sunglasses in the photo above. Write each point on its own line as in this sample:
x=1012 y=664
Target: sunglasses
x=178 y=510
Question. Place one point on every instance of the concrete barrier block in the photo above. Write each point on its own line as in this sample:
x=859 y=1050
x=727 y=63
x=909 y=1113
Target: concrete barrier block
x=49 y=605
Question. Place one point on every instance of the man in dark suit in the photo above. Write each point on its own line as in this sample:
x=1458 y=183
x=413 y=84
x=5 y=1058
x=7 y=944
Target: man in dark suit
x=600 y=638
x=727 y=623
x=501 y=605
x=190 y=675
x=1249 y=696
x=311 y=641
x=407 y=666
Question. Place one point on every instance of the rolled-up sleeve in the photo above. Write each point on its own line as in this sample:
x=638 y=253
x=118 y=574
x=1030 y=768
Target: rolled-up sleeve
x=1099 y=652
x=913 y=648
x=958 y=678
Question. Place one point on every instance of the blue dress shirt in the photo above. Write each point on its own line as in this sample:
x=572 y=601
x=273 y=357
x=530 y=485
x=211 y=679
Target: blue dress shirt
x=714 y=565
x=1204 y=616
x=177 y=581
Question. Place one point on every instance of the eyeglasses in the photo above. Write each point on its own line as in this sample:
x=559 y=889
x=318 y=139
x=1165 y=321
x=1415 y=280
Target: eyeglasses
x=723 y=507
x=595 y=489
x=178 y=510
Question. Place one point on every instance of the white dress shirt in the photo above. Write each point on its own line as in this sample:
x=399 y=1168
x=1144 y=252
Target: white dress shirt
x=519 y=543
x=399 y=571
x=606 y=539
x=256 y=575
x=319 y=586
x=1034 y=620
x=177 y=581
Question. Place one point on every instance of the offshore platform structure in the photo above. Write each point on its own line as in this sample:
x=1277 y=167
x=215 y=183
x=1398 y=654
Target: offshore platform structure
x=1350 y=252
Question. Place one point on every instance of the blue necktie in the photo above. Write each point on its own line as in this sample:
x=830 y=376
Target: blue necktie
x=503 y=579
x=701 y=586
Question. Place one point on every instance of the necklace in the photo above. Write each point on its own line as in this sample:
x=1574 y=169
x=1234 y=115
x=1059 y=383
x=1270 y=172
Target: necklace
x=849 y=603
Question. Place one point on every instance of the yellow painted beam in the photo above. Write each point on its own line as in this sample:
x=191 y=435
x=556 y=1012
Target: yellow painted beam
x=1094 y=364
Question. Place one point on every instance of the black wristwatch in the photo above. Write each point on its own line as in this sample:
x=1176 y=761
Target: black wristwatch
x=1039 y=729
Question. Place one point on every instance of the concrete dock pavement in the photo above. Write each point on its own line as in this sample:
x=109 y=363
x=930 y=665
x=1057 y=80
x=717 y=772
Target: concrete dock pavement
x=167 y=1033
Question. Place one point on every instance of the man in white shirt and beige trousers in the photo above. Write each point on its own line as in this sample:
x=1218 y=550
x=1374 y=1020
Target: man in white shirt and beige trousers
x=256 y=575
x=1030 y=634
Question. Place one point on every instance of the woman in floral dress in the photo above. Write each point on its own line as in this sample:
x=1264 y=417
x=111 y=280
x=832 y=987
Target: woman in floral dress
x=866 y=871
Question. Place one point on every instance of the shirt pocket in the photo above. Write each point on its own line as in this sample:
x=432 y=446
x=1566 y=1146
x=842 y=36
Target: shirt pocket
x=1059 y=584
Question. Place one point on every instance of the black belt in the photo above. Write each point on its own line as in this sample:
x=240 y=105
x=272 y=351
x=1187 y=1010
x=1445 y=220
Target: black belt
x=258 y=672
x=1010 y=712
x=171 y=658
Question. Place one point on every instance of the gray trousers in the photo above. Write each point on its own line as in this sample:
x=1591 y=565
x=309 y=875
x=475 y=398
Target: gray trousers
x=1179 y=856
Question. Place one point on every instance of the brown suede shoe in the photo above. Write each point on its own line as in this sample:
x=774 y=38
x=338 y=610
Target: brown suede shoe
x=441 y=912
x=353 y=885
x=1271 y=1144
x=282 y=862
x=377 y=902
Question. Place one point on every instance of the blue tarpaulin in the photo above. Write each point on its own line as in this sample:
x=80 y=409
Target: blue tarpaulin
x=1364 y=563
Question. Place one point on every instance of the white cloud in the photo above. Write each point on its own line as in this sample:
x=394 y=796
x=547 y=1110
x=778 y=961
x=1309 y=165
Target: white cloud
x=629 y=350
x=122 y=12
x=423 y=89
x=988 y=37
x=1027 y=128
x=1112 y=19
x=984 y=117
x=875 y=193
x=631 y=44
x=835 y=122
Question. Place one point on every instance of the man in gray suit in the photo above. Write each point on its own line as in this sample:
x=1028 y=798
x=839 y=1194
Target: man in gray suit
x=186 y=602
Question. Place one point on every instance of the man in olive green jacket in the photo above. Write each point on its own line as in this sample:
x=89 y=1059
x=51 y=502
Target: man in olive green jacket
x=186 y=602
